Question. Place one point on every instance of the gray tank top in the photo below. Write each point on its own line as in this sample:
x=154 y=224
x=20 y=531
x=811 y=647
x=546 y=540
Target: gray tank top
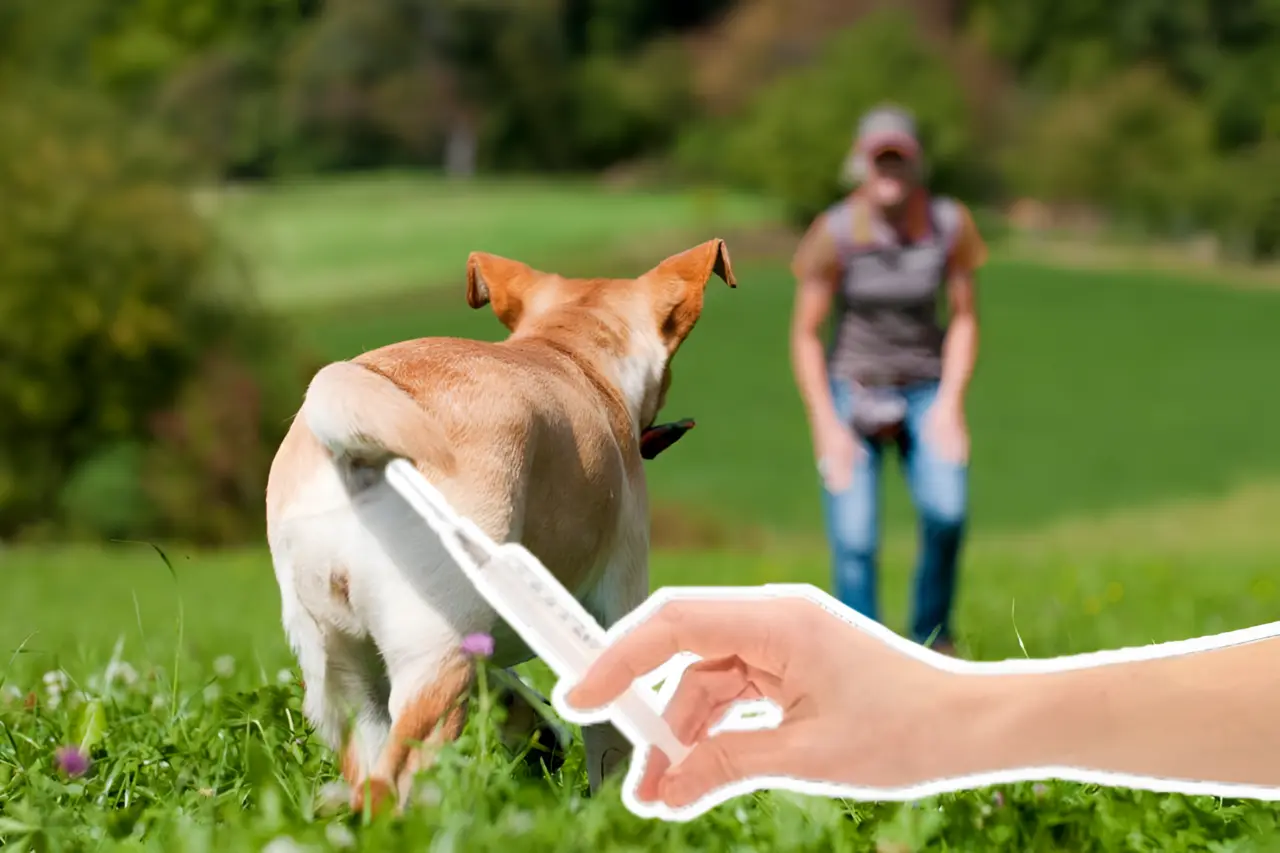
x=887 y=328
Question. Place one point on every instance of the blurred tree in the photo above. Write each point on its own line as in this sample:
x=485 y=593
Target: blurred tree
x=113 y=294
x=254 y=87
x=146 y=42
x=1226 y=53
x=795 y=133
x=1134 y=145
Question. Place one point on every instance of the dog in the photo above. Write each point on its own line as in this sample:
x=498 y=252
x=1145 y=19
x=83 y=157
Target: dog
x=536 y=438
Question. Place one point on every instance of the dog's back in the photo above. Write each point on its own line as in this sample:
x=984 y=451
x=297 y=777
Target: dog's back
x=516 y=436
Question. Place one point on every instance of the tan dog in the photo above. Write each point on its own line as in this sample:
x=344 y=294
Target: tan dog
x=534 y=438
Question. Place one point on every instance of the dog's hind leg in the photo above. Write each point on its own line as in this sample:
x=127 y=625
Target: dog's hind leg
x=345 y=698
x=354 y=673
x=427 y=708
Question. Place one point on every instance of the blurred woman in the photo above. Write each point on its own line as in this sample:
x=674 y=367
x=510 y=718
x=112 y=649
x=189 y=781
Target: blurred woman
x=877 y=265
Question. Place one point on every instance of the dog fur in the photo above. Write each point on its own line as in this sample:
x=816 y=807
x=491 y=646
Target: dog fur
x=535 y=438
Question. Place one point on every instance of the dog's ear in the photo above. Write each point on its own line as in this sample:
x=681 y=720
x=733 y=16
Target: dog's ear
x=500 y=282
x=679 y=283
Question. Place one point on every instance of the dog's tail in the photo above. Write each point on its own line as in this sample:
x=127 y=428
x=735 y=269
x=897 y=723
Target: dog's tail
x=364 y=418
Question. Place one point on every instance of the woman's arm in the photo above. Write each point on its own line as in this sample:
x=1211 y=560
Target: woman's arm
x=814 y=267
x=881 y=712
x=1197 y=716
x=960 y=347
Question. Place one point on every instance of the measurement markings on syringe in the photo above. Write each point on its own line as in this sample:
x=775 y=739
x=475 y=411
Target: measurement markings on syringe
x=582 y=632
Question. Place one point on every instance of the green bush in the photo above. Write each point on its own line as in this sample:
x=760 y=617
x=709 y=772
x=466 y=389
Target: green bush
x=626 y=107
x=1244 y=202
x=360 y=88
x=113 y=294
x=1135 y=147
x=222 y=107
x=795 y=134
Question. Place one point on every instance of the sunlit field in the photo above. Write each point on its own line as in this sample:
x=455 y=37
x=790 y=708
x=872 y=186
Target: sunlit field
x=1126 y=484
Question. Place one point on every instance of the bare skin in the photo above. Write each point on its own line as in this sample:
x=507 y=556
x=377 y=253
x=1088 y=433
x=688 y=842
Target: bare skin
x=860 y=712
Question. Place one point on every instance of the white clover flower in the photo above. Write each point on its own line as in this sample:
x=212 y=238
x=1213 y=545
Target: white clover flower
x=519 y=822
x=212 y=692
x=119 y=671
x=429 y=794
x=340 y=835
x=283 y=844
x=332 y=796
x=284 y=676
x=224 y=666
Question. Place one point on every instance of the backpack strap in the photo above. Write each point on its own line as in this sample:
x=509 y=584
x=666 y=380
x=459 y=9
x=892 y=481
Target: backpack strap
x=944 y=215
x=850 y=226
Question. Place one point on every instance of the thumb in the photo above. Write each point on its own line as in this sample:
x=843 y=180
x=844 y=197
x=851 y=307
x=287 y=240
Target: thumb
x=730 y=757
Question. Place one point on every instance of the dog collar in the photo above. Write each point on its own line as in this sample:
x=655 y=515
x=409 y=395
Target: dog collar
x=658 y=438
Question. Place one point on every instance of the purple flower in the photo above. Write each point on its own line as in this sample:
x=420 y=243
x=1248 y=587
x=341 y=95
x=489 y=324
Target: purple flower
x=478 y=645
x=998 y=799
x=72 y=760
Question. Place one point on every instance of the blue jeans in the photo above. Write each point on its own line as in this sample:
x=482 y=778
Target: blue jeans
x=939 y=491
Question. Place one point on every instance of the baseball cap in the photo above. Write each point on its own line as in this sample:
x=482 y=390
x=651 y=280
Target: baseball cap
x=887 y=128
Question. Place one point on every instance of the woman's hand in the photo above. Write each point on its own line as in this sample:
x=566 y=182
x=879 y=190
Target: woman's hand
x=855 y=710
x=947 y=431
x=863 y=709
x=836 y=450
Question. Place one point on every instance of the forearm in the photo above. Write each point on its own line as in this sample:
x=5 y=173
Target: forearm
x=959 y=355
x=1203 y=716
x=809 y=365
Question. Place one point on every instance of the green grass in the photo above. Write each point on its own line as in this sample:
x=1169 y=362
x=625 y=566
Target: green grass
x=1094 y=391
x=1097 y=393
x=198 y=753
x=320 y=242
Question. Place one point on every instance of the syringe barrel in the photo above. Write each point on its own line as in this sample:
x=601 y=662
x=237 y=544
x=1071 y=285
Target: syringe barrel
x=570 y=635
x=636 y=710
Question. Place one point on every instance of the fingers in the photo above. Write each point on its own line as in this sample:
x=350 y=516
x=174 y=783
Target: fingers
x=706 y=692
x=655 y=766
x=758 y=632
x=704 y=687
x=837 y=462
x=725 y=759
x=836 y=473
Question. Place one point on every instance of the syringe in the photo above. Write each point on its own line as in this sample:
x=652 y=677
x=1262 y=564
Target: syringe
x=519 y=587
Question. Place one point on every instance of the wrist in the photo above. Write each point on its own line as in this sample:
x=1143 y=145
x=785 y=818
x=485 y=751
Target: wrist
x=951 y=398
x=996 y=722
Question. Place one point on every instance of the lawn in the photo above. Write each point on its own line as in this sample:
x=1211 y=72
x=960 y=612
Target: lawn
x=1125 y=488
x=218 y=758
x=315 y=243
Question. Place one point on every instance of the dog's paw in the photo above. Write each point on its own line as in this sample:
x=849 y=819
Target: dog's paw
x=380 y=796
x=332 y=797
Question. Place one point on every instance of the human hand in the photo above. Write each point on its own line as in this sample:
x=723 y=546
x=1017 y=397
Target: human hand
x=858 y=707
x=836 y=450
x=947 y=431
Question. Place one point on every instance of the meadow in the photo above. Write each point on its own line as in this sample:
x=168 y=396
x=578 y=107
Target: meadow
x=1125 y=489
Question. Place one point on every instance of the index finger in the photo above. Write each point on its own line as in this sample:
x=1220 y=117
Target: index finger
x=755 y=631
